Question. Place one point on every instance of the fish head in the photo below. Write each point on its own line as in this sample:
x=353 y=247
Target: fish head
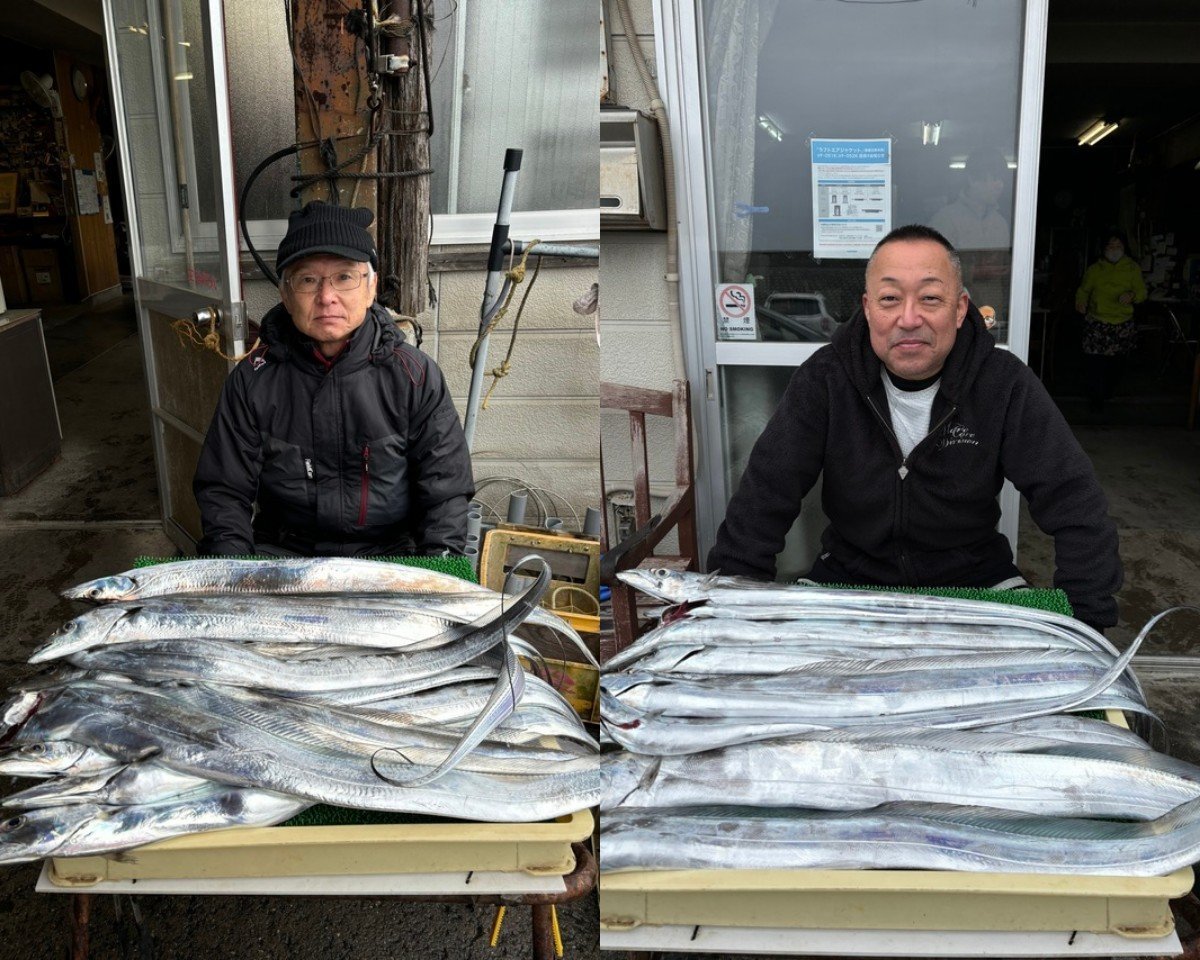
x=33 y=834
x=41 y=759
x=103 y=590
x=659 y=582
x=84 y=631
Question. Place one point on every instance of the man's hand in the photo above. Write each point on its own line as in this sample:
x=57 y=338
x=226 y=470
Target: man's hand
x=1126 y=297
x=1080 y=307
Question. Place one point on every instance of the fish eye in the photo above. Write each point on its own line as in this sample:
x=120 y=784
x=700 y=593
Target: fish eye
x=13 y=822
x=661 y=572
x=94 y=593
x=36 y=749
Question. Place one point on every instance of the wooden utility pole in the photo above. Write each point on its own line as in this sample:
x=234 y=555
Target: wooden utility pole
x=360 y=79
x=331 y=102
x=404 y=200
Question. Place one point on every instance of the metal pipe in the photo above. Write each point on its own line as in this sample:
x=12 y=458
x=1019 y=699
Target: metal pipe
x=591 y=522
x=491 y=292
x=573 y=250
x=474 y=522
x=516 y=507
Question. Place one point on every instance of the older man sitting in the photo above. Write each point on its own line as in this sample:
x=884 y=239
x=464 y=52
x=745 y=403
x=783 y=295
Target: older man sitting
x=342 y=433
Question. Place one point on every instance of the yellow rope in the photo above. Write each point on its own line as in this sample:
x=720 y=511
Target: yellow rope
x=497 y=924
x=498 y=373
x=517 y=275
x=558 y=944
x=187 y=332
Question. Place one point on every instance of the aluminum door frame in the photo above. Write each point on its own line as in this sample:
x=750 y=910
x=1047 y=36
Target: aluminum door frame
x=168 y=298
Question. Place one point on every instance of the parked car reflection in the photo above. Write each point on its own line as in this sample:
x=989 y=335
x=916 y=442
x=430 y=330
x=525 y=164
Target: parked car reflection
x=776 y=326
x=808 y=309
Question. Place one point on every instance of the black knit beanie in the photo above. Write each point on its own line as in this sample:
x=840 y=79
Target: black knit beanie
x=322 y=228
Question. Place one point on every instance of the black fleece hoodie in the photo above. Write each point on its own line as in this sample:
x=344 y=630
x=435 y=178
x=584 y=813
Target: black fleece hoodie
x=360 y=455
x=928 y=519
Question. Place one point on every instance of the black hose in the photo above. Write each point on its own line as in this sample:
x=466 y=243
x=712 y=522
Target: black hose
x=277 y=155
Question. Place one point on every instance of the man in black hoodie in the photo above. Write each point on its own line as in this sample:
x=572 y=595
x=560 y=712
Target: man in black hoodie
x=343 y=434
x=916 y=418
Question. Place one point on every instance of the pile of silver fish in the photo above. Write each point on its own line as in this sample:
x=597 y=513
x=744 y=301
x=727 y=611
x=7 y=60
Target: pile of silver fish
x=785 y=726
x=213 y=693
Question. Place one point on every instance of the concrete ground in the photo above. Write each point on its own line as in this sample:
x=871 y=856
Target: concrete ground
x=92 y=513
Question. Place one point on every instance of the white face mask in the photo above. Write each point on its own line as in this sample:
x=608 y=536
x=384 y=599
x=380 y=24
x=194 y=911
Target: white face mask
x=1113 y=254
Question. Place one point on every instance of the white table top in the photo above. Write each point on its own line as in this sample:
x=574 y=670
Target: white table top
x=382 y=885
x=882 y=943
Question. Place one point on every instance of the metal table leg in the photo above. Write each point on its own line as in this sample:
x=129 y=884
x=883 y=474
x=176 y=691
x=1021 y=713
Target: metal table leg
x=543 y=934
x=80 y=905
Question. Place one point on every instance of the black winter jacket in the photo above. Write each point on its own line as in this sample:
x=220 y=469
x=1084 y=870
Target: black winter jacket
x=928 y=519
x=364 y=455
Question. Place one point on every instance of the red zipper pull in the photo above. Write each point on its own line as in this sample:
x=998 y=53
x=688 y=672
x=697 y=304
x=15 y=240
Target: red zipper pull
x=366 y=483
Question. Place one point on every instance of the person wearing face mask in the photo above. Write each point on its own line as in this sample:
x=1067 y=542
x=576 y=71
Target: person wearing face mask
x=913 y=418
x=1106 y=295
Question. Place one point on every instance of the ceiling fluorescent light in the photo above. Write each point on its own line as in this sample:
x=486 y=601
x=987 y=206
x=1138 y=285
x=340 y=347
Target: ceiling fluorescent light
x=1090 y=132
x=1095 y=135
x=931 y=133
x=958 y=165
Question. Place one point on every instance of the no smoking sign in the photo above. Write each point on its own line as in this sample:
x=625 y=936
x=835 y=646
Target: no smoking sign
x=735 y=312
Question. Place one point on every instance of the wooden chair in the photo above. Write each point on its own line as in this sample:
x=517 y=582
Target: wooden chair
x=679 y=513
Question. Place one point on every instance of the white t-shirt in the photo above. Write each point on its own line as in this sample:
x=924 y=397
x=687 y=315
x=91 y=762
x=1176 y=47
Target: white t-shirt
x=911 y=410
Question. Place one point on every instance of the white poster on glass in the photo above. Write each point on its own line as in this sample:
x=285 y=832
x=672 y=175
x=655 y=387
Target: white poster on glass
x=852 y=196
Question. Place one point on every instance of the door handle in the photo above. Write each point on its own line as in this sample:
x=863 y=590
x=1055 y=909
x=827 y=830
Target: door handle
x=208 y=315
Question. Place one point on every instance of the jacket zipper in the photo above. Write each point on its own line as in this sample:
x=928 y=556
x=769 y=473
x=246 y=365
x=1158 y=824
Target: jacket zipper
x=903 y=472
x=366 y=484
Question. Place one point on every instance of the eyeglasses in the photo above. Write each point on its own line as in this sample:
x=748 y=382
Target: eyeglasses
x=343 y=281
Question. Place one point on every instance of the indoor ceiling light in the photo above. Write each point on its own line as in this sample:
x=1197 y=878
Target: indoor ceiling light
x=958 y=164
x=931 y=133
x=1095 y=133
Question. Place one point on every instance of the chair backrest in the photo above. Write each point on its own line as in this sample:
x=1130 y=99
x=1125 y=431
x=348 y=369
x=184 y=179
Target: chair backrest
x=640 y=402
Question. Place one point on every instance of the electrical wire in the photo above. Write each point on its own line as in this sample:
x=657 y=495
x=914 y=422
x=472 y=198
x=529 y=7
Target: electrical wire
x=547 y=505
x=425 y=56
x=243 y=202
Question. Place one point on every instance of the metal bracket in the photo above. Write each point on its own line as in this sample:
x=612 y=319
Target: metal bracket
x=238 y=310
x=391 y=63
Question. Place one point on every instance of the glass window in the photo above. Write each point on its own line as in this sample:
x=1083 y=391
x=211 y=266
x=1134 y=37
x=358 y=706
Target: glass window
x=936 y=80
x=524 y=74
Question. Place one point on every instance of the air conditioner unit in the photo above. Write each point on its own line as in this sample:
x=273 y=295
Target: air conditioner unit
x=631 y=173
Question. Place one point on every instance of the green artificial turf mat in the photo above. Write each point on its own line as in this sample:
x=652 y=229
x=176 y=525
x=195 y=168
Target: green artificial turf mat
x=325 y=815
x=1052 y=601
